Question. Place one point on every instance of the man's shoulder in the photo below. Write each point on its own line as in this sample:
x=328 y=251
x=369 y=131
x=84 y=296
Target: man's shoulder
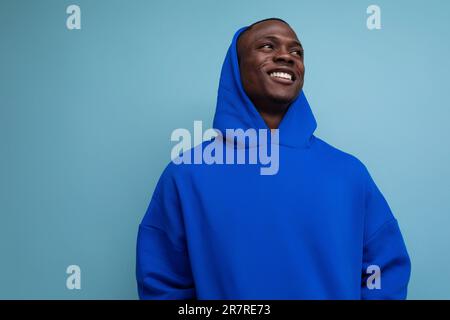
x=339 y=156
x=186 y=162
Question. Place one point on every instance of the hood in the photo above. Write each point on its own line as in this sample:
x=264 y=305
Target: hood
x=234 y=110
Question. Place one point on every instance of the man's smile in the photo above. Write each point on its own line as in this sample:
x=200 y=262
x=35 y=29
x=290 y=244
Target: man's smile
x=284 y=76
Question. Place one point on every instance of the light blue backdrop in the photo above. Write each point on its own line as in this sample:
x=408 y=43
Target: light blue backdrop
x=86 y=117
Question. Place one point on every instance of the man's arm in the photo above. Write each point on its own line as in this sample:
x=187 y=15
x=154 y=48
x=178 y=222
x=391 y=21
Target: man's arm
x=386 y=265
x=163 y=270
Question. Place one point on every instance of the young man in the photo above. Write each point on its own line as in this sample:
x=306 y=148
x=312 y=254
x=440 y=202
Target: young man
x=316 y=228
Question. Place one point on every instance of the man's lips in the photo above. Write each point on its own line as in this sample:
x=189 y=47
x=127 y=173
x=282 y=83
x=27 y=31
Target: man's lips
x=282 y=75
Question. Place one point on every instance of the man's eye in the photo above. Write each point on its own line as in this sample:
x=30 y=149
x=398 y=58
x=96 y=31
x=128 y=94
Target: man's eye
x=298 y=52
x=267 y=45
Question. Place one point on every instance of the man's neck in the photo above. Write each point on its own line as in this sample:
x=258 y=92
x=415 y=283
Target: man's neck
x=272 y=120
x=272 y=113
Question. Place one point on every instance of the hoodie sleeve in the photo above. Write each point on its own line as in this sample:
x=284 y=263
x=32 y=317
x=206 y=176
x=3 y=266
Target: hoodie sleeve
x=386 y=264
x=162 y=265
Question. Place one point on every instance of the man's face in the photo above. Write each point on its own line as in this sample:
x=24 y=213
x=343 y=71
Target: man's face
x=271 y=63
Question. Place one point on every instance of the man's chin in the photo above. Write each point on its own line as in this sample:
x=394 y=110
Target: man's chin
x=282 y=99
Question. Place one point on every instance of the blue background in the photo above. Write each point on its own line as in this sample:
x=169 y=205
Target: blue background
x=86 y=117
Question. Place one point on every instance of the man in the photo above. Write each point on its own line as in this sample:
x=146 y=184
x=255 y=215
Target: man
x=317 y=229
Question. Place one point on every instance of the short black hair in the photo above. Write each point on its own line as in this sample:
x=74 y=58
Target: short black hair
x=257 y=22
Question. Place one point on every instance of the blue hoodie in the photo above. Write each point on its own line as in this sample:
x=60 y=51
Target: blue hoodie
x=317 y=229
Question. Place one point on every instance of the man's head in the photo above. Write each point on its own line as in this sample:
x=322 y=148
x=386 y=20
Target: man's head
x=271 y=64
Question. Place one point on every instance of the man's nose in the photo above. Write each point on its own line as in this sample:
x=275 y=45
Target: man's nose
x=283 y=56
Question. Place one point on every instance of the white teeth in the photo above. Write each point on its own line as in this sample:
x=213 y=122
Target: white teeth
x=283 y=75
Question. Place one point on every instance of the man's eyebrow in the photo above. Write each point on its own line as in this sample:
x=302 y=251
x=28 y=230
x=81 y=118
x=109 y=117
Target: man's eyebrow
x=275 y=38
